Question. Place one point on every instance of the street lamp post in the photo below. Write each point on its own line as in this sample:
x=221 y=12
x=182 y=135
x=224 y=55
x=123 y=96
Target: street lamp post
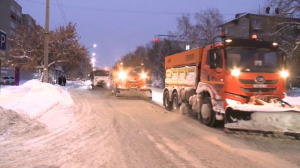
x=93 y=46
x=46 y=70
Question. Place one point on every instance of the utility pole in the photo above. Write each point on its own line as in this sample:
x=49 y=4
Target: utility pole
x=46 y=47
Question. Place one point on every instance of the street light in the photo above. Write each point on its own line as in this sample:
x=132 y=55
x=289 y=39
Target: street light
x=93 y=60
x=93 y=46
x=94 y=54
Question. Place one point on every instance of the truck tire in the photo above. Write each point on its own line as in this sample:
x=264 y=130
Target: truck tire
x=207 y=114
x=175 y=102
x=116 y=93
x=167 y=103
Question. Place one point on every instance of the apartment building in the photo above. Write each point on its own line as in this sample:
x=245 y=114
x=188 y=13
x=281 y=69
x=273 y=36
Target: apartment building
x=246 y=24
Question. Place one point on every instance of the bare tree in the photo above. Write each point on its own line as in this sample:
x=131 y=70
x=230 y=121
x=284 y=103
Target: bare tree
x=205 y=29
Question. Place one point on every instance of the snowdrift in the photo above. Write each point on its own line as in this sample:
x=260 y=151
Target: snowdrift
x=14 y=124
x=34 y=98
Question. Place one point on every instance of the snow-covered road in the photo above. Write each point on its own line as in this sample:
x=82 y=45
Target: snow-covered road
x=99 y=130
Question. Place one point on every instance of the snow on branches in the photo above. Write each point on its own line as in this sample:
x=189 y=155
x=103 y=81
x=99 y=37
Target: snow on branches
x=27 y=48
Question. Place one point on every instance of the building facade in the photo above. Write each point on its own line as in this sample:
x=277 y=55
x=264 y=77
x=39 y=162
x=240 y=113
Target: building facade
x=246 y=24
x=11 y=18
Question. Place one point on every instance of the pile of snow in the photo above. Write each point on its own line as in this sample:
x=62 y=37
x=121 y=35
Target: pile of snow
x=270 y=121
x=34 y=98
x=14 y=124
x=157 y=95
x=293 y=100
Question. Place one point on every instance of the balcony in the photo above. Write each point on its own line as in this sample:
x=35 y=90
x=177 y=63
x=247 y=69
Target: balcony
x=257 y=28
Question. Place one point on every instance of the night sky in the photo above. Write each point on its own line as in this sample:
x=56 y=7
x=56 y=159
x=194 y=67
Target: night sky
x=118 y=26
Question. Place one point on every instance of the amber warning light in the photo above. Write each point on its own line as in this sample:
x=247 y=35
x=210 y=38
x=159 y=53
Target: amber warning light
x=254 y=36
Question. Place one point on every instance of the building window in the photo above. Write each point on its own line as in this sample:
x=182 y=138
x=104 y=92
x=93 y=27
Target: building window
x=12 y=8
x=254 y=22
x=225 y=30
x=12 y=33
x=19 y=13
x=12 y=25
x=243 y=24
x=12 y=16
x=244 y=36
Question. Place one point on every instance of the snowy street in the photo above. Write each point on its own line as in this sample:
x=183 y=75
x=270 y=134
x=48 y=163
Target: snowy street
x=92 y=128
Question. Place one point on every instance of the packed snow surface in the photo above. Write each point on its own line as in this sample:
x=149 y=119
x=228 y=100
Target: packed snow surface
x=34 y=98
x=14 y=124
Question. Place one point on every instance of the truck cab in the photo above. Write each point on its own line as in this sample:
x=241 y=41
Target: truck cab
x=130 y=76
x=100 y=78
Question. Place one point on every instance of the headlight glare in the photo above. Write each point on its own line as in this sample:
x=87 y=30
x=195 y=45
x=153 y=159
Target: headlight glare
x=143 y=76
x=284 y=74
x=122 y=75
x=235 y=72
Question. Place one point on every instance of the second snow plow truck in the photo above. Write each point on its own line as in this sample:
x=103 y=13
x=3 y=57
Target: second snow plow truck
x=240 y=82
x=129 y=80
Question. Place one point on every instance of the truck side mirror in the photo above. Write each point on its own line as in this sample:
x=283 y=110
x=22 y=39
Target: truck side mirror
x=213 y=59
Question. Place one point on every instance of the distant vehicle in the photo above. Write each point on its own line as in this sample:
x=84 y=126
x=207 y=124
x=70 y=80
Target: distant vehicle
x=100 y=78
x=7 y=80
x=129 y=79
x=4 y=80
x=12 y=80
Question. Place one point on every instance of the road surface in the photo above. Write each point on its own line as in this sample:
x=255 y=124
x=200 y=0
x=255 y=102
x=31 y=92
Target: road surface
x=129 y=133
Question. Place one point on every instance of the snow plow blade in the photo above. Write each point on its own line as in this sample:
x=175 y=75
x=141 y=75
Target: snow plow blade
x=264 y=119
x=141 y=93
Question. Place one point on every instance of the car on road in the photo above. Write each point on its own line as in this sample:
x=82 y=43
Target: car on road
x=7 y=80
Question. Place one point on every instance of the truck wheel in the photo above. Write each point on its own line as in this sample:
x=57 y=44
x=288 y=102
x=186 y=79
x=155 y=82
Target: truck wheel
x=175 y=104
x=116 y=93
x=208 y=116
x=167 y=103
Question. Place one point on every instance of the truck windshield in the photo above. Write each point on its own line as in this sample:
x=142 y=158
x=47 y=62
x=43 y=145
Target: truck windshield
x=135 y=71
x=252 y=60
x=101 y=73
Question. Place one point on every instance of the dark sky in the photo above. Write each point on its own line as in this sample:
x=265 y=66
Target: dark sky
x=118 y=26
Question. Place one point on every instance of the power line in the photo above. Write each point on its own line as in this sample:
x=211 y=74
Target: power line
x=120 y=11
x=61 y=11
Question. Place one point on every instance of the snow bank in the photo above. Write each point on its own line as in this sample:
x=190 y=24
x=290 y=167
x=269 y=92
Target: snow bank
x=14 y=124
x=293 y=100
x=34 y=98
x=157 y=95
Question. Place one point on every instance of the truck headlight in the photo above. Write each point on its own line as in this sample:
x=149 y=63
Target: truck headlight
x=143 y=76
x=284 y=74
x=235 y=72
x=122 y=75
x=108 y=84
x=232 y=102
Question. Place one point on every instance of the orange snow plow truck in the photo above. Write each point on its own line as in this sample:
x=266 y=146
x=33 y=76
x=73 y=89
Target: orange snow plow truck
x=129 y=80
x=238 y=82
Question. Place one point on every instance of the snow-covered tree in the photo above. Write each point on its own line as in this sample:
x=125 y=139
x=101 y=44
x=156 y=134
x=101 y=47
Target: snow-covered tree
x=27 y=48
x=287 y=29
